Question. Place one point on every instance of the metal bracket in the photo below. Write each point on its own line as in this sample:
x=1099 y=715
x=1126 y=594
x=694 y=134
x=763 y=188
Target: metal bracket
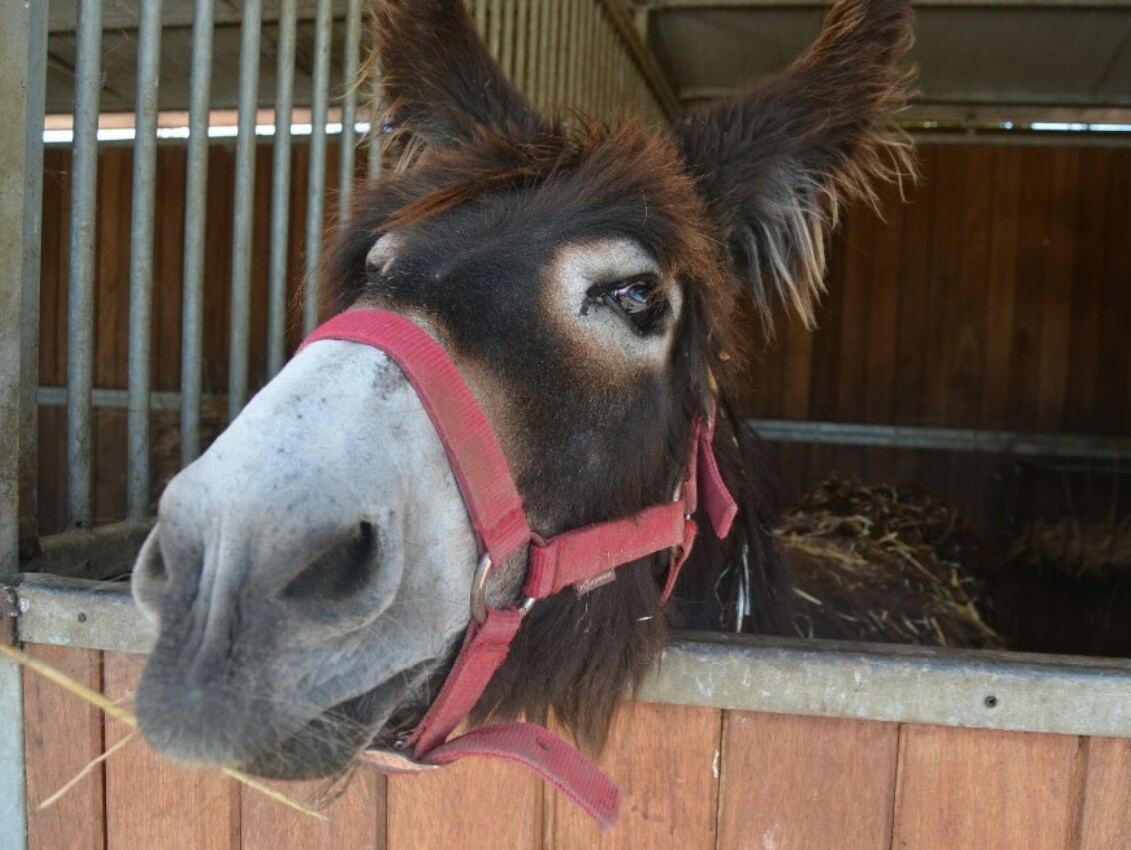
x=9 y=615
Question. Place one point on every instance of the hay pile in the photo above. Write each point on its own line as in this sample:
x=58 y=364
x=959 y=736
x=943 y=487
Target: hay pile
x=1075 y=547
x=885 y=562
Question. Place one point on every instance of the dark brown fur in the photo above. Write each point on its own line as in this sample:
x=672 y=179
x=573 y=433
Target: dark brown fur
x=746 y=191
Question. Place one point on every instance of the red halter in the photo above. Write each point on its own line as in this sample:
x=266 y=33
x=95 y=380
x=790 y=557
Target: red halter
x=583 y=558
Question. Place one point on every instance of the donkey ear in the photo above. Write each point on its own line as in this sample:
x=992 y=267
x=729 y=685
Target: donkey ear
x=776 y=163
x=439 y=81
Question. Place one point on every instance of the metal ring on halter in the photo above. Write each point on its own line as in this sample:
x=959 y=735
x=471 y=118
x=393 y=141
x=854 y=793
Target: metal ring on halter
x=479 y=589
x=479 y=593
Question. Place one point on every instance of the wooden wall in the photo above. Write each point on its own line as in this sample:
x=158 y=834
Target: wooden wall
x=691 y=778
x=998 y=297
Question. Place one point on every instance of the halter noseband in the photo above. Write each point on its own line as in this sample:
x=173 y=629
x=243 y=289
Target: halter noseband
x=583 y=558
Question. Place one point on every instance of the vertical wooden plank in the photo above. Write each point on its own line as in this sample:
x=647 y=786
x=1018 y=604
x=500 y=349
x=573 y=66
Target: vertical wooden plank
x=856 y=282
x=473 y=804
x=62 y=735
x=825 y=377
x=356 y=820
x=796 y=388
x=1115 y=379
x=1089 y=286
x=1001 y=288
x=168 y=265
x=1106 y=819
x=1032 y=249
x=964 y=318
x=986 y=789
x=1057 y=303
x=882 y=319
x=795 y=783
x=151 y=802
x=665 y=760
x=915 y=262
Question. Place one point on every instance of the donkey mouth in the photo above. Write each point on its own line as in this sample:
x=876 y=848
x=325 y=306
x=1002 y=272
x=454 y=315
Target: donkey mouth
x=328 y=744
x=322 y=746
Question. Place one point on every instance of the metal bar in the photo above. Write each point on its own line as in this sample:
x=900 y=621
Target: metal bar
x=158 y=401
x=16 y=31
x=1013 y=138
x=105 y=552
x=375 y=143
x=123 y=16
x=316 y=182
x=947 y=439
x=665 y=5
x=959 y=101
x=1032 y=693
x=244 y=214
x=280 y=191
x=349 y=111
x=13 y=787
x=80 y=286
x=196 y=186
x=902 y=684
x=32 y=254
x=141 y=260
x=111 y=621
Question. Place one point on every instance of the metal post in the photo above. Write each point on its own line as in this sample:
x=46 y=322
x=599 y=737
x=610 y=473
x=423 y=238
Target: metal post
x=141 y=259
x=244 y=213
x=80 y=287
x=280 y=191
x=32 y=251
x=15 y=32
x=196 y=188
x=349 y=110
x=316 y=179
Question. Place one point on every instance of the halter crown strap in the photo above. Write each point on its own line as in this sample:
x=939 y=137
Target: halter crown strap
x=580 y=558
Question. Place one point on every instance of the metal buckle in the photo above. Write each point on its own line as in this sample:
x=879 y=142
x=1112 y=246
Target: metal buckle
x=479 y=592
x=479 y=589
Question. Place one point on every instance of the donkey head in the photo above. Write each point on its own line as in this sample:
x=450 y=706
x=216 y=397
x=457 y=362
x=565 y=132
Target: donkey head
x=310 y=573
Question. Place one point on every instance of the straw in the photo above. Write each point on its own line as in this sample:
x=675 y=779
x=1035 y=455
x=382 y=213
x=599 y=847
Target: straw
x=112 y=709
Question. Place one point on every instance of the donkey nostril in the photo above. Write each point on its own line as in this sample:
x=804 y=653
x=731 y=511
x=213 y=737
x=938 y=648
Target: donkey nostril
x=340 y=571
x=152 y=564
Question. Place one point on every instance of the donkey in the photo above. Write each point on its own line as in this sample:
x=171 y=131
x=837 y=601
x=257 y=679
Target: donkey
x=310 y=574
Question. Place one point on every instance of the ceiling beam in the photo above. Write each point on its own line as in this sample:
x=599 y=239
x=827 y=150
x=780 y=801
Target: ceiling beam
x=697 y=5
x=957 y=101
x=123 y=14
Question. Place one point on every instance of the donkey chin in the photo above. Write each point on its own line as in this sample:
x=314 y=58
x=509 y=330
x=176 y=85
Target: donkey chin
x=305 y=586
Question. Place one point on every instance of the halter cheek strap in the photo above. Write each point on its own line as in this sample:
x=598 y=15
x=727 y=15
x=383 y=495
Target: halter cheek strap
x=582 y=558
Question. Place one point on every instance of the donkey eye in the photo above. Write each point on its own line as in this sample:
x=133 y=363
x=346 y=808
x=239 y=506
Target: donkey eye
x=640 y=300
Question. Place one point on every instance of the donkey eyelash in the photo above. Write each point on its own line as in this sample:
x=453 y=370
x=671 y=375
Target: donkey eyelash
x=638 y=299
